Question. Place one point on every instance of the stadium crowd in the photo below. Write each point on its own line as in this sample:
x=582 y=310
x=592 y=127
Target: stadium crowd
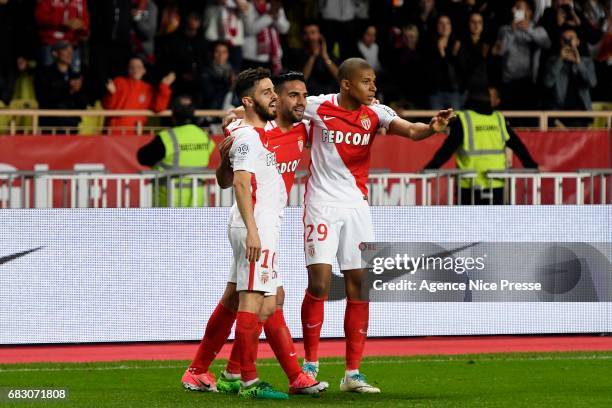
x=139 y=54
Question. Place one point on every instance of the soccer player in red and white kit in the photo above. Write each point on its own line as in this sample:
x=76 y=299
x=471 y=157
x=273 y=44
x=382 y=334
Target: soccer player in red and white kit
x=336 y=212
x=254 y=224
x=286 y=137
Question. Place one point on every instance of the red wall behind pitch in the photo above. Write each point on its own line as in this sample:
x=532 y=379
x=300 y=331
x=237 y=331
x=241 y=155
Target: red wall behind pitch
x=553 y=150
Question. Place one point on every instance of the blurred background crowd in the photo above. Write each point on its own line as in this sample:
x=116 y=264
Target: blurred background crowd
x=139 y=54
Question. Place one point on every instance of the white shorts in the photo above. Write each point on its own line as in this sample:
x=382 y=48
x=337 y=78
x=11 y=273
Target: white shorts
x=261 y=276
x=336 y=232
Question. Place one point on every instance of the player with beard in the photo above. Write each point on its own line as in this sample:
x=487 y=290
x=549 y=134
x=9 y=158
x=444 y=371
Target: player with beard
x=286 y=137
x=254 y=224
x=336 y=212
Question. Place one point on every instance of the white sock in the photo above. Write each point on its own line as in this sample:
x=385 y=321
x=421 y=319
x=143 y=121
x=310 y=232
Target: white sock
x=348 y=373
x=249 y=383
x=314 y=363
x=231 y=376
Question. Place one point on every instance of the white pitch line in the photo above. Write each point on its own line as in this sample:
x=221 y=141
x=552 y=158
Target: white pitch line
x=270 y=364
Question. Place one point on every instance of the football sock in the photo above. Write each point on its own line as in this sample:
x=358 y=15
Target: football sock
x=355 y=331
x=217 y=331
x=280 y=340
x=247 y=340
x=312 y=320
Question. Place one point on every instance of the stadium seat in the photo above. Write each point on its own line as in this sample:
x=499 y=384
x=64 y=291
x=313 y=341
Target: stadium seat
x=23 y=122
x=92 y=125
x=24 y=97
x=600 y=123
x=4 y=120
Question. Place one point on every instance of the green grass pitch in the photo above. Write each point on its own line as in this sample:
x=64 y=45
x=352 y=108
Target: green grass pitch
x=486 y=380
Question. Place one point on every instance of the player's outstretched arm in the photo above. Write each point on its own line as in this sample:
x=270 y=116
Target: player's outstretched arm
x=225 y=173
x=419 y=130
x=244 y=201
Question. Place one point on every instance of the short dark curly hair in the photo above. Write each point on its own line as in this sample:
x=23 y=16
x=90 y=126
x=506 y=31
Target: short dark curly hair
x=280 y=80
x=247 y=79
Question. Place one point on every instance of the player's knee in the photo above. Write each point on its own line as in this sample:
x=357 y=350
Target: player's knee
x=267 y=310
x=230 y=299
x=318 y=288
x=355 y=287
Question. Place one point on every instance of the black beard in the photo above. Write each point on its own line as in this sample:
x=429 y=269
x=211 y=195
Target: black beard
x=263 y=113
x=294 y=117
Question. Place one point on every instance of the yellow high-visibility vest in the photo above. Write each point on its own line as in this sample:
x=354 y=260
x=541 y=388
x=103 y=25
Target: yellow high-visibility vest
x=483 y=147
x=188 y=148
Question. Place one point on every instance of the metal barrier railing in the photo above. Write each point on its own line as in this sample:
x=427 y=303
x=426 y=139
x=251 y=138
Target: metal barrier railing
x=32 y=117
x=98 y=189
x=534 y=182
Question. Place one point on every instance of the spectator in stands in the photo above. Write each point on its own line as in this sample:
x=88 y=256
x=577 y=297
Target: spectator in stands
x=217 y=79
x=144 y=27
x=479 y=139
x=319 y=68
x=170 y=17
x=519 y=45
x=475 y=53
x=445 y=68
x=563 y=13
x=131 y=92
x=406 y=70
x=460 y=13
x=368 y=48
x=184 y=53
x=338 y=26
x=425 y=18
x=111 y=38
x=8 y=52
x=66 y=21
x=184 y=147
x=603 y=63
x=569 y=78
x=57 y=86
x=224 y=21
x=264 y=22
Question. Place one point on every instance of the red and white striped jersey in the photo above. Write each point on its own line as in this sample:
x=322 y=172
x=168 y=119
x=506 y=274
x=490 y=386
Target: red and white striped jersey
x=252 y=152
x=288 y=147
x=340 y=150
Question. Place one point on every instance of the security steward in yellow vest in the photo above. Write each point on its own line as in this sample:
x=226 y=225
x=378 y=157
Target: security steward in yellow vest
x=184 y=148
x=479 y=138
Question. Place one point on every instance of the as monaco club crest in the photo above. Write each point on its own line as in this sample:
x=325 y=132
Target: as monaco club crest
x=264 y=277
x=311 y=251
x=300 y=145
x=365 y=122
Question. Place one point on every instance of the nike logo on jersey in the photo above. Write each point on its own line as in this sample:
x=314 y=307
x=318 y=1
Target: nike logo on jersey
x=292 y=354
x=325 y=117
x=363 y=331
x=312 y=326
x=338 y=137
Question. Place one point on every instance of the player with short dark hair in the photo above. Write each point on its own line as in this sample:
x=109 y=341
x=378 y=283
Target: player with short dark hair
x=253 y=230
x=336 y=213
x=286 y=137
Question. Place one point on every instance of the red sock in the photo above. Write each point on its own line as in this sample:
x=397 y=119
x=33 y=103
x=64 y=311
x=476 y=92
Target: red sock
x=233 y=364
x=312 y=320
x=355 y=331
x=217 y=331
x=247 y=341
x=280 y=340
